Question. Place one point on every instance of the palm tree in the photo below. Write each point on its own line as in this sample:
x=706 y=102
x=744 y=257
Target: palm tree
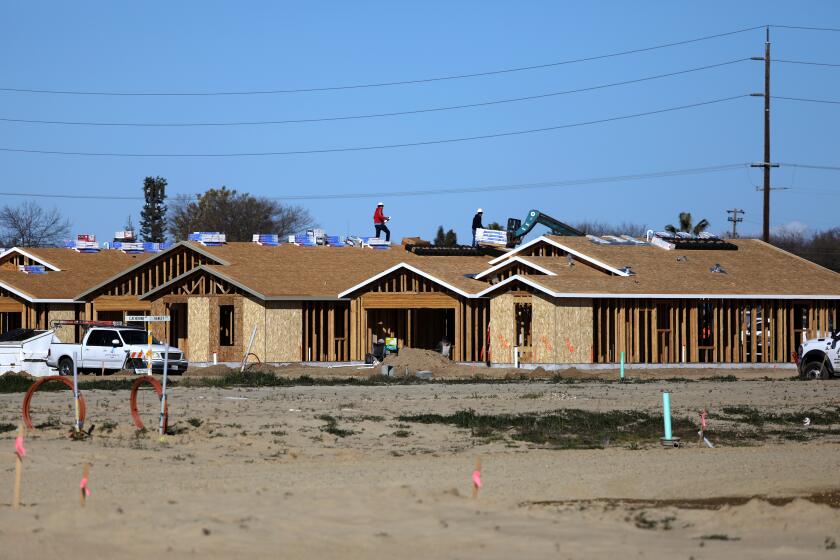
x=686 y=225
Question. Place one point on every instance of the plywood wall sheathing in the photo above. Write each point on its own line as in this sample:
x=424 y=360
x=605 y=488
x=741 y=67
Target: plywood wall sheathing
x=502 y=329
x=283 y=325
x=253 y=315
x=198 y=320
x=62 y=311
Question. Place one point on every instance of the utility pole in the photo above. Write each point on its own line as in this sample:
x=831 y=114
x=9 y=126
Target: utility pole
x=734 y=219
x=766 y=164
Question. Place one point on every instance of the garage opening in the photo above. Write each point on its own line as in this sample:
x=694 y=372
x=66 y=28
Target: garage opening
x=9 y=321
x=414 y=328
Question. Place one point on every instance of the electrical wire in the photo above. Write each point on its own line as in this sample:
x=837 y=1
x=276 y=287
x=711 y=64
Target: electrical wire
x=380 y=146
x=806 y=62
x=808 y=166
x=805 y=99
x=804 y=28
x=376 y=115
x=387 y=83
x=432 y=192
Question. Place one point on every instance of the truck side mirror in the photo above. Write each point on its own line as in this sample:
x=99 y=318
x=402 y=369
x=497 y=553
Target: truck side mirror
x=116 y=342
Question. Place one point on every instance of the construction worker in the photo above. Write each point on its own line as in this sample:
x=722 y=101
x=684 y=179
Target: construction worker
x=477 y=222
x=379 y=220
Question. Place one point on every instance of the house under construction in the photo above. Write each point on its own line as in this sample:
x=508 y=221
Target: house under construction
x=557 y=299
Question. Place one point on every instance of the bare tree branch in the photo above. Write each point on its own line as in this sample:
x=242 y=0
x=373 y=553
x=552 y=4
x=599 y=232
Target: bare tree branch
x=30 y=225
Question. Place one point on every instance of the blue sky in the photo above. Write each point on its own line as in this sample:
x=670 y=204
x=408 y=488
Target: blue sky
x=234 y=46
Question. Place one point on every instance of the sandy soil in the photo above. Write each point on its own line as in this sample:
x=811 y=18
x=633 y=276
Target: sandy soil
x=252 y=472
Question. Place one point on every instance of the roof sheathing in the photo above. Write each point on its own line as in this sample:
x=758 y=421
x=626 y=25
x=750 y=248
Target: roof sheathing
x=78 y=272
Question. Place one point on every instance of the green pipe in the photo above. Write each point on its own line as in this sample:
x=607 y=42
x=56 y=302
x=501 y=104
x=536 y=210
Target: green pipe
x=666 y=413
x=622 y=366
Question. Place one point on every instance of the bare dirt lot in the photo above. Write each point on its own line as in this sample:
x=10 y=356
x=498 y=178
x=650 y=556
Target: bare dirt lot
x=571 y=469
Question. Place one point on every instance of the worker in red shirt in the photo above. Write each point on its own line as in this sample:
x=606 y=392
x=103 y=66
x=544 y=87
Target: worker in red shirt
x=379 y=220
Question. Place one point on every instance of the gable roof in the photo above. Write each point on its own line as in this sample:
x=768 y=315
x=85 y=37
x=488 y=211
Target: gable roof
x=526 y=261
x=564 y=243
x=70 y=273
x=150 y=258
x=755 y=270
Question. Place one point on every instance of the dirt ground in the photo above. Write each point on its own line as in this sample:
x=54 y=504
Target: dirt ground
x=333 y=472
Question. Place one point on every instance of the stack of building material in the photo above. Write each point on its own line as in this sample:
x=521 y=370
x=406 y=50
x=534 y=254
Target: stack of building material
x=84 y=243
x=268 y=239
x=132 y=248
x=151 y=247
x=376 y=243
x=32 y=269
x=492 y=237
x=208 y=238
x=126 y=236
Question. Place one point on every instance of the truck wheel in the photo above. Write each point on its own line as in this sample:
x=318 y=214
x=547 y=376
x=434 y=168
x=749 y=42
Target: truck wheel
x=65 y=366
x=815 y=370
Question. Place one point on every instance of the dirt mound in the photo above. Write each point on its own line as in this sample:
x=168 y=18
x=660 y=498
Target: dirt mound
x=415 y=359
x=209 y=371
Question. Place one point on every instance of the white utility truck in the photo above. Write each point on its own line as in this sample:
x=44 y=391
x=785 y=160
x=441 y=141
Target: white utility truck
x=819 y=358
x=25 y=350
x=112 y=346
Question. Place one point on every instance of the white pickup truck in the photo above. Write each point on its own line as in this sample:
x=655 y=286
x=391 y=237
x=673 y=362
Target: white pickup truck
x=113 y=348
x=819 y=358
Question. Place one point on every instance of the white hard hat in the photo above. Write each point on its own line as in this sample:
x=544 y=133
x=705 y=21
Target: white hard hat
x=380 y=204
x=479 y=211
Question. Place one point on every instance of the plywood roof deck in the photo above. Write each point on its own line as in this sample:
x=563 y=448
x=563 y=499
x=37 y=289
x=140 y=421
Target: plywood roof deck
x=756 y=268
x=289 y=271
x=78 y=272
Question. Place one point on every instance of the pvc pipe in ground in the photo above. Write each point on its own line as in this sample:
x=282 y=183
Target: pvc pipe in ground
x=666 y=413
x=77 y=424
x=163 y=390
x=622 y=366
x=516 y=356
x=215 y=358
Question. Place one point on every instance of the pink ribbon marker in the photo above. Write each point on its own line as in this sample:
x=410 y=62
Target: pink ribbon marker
x=21 y=452
x=84 y=487
x=476 y=478
x=703 y=420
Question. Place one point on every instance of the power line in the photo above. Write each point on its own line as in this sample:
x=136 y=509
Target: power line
x=387 y=83
x=431 y=192
x=377 y=115
x=807 y=62
x=804 y=28
x=381 y=146
x=805 y=99
x=807 y=166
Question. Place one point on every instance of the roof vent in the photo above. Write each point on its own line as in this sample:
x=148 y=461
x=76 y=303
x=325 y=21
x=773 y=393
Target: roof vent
x=628 y=271
x=682 y=258
x=570 y=260
x=718 y=269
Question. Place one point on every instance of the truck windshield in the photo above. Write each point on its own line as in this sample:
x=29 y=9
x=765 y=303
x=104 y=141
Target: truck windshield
x=137 y=337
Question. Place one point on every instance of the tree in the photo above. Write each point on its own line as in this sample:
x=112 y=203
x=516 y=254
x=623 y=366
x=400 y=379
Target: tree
x=687 y=226
x=495 y=226
x=238 y=215
x=445 y=239
x=29 y=225
x=440 y=237
x=153 y=215
x=448 y=239
x=819 y=247
x=603 y=228
x=451 y=239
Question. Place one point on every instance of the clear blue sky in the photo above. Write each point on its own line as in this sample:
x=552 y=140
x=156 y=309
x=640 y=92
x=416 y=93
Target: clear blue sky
x=213 y=46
